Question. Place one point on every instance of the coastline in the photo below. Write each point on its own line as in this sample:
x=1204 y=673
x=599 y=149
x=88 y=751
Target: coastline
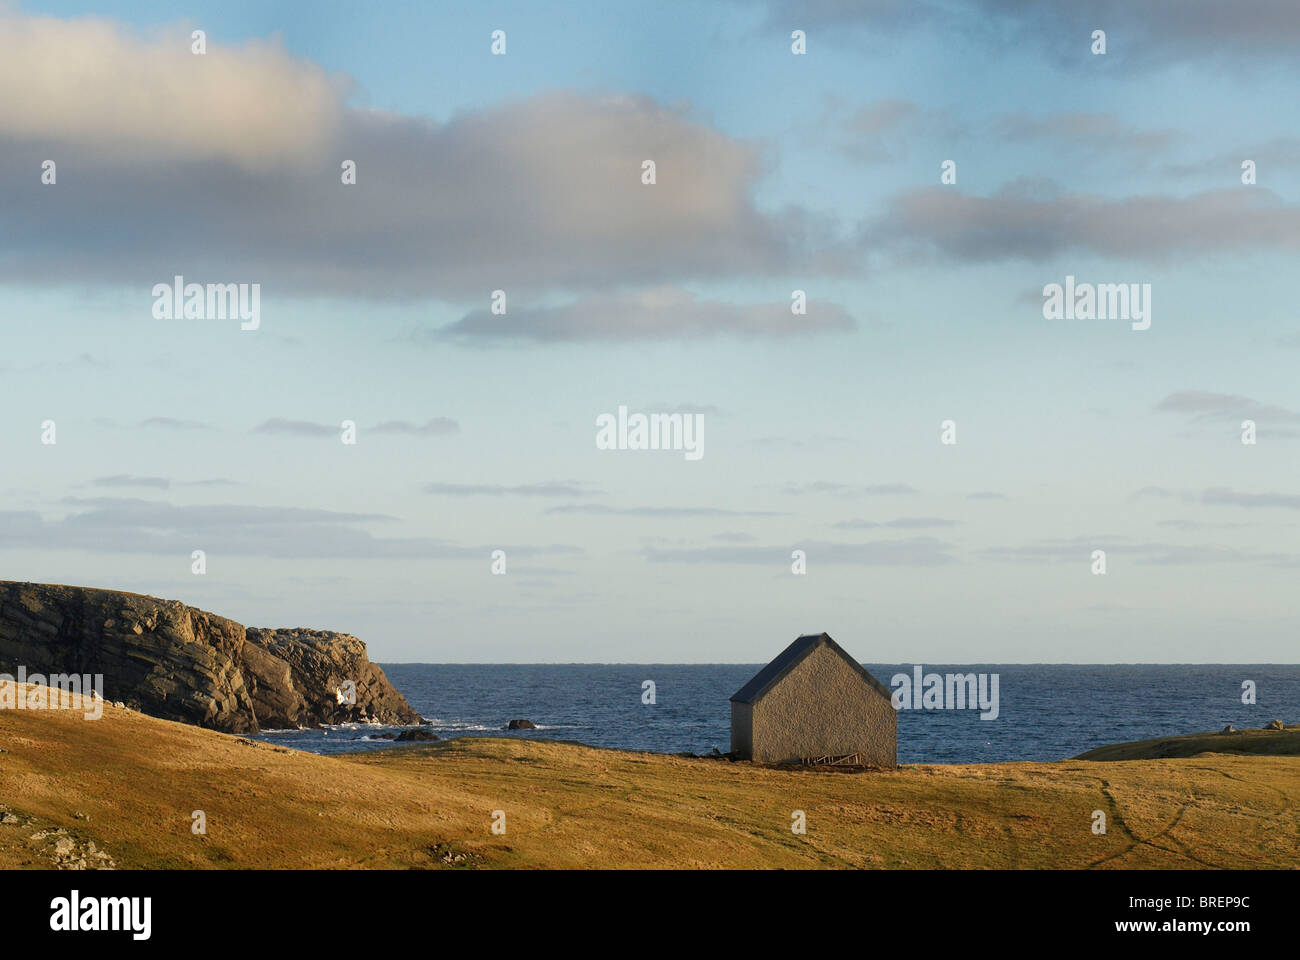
x=129 y=783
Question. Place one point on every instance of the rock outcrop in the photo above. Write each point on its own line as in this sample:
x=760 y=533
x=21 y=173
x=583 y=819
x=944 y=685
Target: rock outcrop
x=333 y=677
x=419 y=733
x=180 y=663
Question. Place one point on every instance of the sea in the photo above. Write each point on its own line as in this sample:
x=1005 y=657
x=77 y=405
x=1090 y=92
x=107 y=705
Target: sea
x=1045 y=712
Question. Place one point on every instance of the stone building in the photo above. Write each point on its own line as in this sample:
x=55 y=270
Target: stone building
x=814 y=704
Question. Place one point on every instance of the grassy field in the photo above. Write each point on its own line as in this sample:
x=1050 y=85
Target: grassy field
x=121 y=791
x=1282 y=743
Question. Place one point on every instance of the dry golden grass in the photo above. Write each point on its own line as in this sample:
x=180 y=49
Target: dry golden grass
x=1279 y=743
x=135 y=780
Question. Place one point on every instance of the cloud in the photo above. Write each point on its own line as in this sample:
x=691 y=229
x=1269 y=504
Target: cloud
x=918 y=551
x=295 y=428
x=1080 y=129
x=848 y=489
x=1035 y=221
x=902 y=523
x=1201 y=525
x=1079 y=550
x=816 y=486
x=213 y=482
x=881 y=115
x=882 y=129
x=1076 y=549
x=1139 y=35
x=889 y=489
x=1224 y=496
x=119 y=510
x=878 y=15
x=1156 y=493
x=602 y=510
x=81 y=362
x=125 y=480
x=1204 y=405
x=117 y=526
x=436 y=427
x=548 y=488
x=649 y=314
x=877 y=131
x=703 y=408
x=986 y=495
x=1278 y=153
x=127 y=96
x=536 y=194
x=161 y=483
x=809 y=442
x=170 y=423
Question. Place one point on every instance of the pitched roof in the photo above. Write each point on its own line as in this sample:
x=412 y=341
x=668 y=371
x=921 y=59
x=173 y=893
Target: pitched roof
x=791 y=657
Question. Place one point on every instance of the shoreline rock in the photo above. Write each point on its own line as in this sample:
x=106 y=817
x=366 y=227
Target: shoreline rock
x=419 y=733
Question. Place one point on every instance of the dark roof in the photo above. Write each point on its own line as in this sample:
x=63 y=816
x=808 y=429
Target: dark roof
x=791 y=657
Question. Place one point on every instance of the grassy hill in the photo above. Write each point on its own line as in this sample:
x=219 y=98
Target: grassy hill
x=127 y=784
x=1282 y=743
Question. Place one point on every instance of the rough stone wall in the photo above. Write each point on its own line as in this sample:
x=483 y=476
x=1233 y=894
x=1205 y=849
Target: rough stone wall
x=823 y=707
x=180 y=663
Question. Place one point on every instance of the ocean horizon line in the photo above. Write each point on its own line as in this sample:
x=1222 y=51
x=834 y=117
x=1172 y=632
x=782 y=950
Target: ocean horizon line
x=750 y=663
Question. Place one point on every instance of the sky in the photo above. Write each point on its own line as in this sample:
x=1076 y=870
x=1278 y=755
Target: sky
x=775 y=172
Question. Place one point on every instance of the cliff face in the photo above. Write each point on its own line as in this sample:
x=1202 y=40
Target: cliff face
x=180 y=663
x=321 y=664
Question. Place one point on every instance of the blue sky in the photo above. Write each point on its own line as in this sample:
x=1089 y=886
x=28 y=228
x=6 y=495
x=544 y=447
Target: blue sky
x=775 y=172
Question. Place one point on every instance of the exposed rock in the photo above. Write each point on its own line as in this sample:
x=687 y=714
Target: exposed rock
x=180 y=663
x=450 y=857
x=417 y=734
x=177 y=662
x=1229 y=729
x=521 y=725
x=1276 y=725
x=67 y=852
x=270 y=681
x=335 y=680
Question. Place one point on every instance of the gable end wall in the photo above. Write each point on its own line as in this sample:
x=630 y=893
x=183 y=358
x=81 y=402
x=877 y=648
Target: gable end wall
x=823 y=707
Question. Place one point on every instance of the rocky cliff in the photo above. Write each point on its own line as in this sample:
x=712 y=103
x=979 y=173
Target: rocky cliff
x=180 y=663
x=329 y=661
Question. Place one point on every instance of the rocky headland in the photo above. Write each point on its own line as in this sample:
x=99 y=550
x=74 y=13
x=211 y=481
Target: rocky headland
x=177 y=662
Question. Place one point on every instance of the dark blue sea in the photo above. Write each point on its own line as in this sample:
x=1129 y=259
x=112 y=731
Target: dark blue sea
x=1046 y=712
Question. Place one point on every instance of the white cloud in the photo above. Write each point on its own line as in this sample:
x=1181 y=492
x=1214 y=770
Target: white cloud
x=90 y=81
x=534 y=195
